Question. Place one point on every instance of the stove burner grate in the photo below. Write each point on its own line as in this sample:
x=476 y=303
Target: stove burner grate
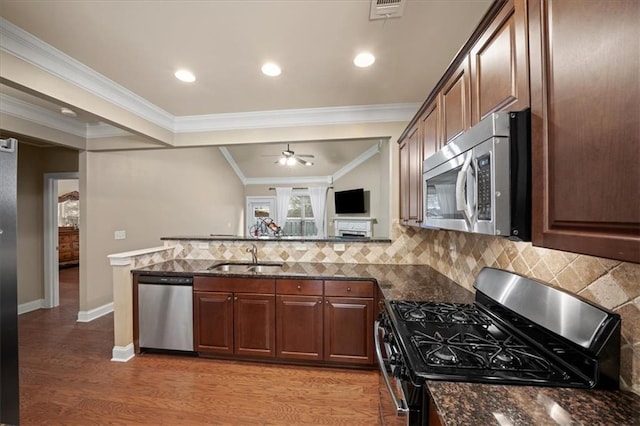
x=470 y=351
x=445 y=313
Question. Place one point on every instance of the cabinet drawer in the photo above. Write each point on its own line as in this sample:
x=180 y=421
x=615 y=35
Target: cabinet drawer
x=348 y=288
x=235 y=285
x=306 y=287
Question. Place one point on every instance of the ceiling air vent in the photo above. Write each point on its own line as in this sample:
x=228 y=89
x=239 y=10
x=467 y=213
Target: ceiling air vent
x=383 y=9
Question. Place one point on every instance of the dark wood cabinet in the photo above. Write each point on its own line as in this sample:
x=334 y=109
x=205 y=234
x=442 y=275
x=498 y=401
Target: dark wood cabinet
x=336 y=328
x=499 y=64
x=585 y=91
x=348 y=321
x=286 y=319
x=430 y=131
x=455 y=101
x=411 y=179
x=348 y=330
x=213 y=324
x=68 y=245
x=299 y=324
x=234 y=316
x=254 y=325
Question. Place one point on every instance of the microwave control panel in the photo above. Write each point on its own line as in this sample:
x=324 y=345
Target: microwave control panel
x=484 y=187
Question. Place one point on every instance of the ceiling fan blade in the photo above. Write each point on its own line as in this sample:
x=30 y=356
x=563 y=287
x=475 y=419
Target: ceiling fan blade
x=306 y=155
x=300 y=160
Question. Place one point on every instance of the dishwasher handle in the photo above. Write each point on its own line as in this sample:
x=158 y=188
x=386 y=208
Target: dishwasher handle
x=167 y=280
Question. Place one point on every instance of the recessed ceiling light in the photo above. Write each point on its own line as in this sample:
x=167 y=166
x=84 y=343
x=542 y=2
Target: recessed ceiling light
x=68 y=112
x=271 y=69
x=185 y=75
x=364 y=59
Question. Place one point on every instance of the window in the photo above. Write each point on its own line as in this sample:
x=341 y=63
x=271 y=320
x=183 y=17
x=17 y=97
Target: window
x=300 y=222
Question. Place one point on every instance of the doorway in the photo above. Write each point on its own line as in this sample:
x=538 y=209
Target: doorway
x=258 y=209
x=58 y=216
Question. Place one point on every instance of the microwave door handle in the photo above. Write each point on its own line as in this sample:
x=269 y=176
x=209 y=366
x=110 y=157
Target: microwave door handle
x=461 y=199
x=473 y=211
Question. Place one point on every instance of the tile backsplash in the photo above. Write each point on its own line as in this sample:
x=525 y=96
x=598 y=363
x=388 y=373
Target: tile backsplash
x=460 y=256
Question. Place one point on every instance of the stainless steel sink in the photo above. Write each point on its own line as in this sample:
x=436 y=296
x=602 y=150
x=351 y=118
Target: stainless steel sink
x=246 y=267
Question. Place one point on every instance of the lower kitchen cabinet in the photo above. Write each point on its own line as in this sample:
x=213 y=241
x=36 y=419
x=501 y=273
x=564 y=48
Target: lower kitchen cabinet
x=297 y=320
x=299 y=327
x=213 y=325
x=233 y=321
x=348 y=330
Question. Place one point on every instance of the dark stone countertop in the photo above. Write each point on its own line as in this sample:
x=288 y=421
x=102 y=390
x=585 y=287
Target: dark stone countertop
x=285 y=239
x=457 y=403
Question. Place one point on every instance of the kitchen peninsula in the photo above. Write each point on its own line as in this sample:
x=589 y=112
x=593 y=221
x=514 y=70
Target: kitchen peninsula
x=456 y=403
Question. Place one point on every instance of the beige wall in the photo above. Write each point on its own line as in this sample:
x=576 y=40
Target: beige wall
x=67 y=185
x=374 y=179
x=150 y=194
x=33 y=163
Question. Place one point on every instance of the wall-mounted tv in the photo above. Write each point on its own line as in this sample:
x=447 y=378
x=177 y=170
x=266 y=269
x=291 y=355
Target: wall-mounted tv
x=351 y=201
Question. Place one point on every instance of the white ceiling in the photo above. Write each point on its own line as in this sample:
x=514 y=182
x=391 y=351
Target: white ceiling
x=140 y=44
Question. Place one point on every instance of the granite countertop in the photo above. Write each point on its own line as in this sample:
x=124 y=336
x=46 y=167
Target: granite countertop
x=225 y=237
x=457 y=403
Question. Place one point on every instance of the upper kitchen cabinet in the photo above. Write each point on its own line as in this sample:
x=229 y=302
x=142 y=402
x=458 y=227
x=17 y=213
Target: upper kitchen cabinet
x=455 y=102
x=430 y=130
x=411 y=179
x=499 y=65
x=585 y=104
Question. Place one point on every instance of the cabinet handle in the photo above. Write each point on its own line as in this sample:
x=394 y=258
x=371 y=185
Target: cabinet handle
x=229 y=298
x=319 y=301
x=235 y=298
x=326 y=301
x=299 y=287
x=348 y=288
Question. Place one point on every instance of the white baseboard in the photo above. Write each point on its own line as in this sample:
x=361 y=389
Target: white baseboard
x=122 y=353
x=87 y=316
x=34 y=305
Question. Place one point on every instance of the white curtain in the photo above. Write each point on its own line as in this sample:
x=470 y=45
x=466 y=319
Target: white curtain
x=283 y=196
x=446 y=198
x=318 y=196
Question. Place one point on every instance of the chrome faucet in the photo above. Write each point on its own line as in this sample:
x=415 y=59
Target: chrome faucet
x=254 y=253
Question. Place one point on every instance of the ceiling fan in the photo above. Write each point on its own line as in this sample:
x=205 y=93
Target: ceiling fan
x=290 y=158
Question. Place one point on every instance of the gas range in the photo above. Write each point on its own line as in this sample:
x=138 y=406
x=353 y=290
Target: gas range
x=458 y=342
x=517 y=332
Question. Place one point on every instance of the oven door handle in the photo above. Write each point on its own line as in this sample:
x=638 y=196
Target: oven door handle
x=401 y=405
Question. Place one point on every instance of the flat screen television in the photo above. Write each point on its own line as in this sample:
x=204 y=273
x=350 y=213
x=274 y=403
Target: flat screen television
x=351 y=201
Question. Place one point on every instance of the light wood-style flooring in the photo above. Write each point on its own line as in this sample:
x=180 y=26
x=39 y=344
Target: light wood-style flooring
x=67 y=378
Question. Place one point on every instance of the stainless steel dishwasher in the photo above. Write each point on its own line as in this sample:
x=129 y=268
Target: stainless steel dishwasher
x=165 y=312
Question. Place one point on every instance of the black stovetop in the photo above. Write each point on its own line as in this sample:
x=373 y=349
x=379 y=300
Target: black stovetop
x=461 y=342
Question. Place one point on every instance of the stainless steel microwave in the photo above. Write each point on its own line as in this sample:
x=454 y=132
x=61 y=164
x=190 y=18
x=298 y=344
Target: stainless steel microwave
x=481 y=181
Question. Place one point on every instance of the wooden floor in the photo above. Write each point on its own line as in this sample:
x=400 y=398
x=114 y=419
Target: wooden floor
x=67 y=378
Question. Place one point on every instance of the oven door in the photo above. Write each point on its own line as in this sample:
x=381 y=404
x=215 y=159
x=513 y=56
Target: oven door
x=393 y=405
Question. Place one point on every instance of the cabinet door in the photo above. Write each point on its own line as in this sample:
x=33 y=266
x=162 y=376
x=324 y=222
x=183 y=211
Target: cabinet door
x=213 y=325
x=455 y=100
x=254 y=325
x=499 y=66
x=430 y=131
x=299 y=327
x=585 y=126
x=348 y=330
x=404 y=182
x=411 y=179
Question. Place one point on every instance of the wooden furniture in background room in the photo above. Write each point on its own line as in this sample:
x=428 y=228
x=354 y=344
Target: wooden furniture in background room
x=68 y=235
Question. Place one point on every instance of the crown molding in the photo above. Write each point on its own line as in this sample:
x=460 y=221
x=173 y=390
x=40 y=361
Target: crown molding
x=31 y=49
x=357 y=161
x=288 y=180
x=296 y=117
x=26 y=111
x=225 y=152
